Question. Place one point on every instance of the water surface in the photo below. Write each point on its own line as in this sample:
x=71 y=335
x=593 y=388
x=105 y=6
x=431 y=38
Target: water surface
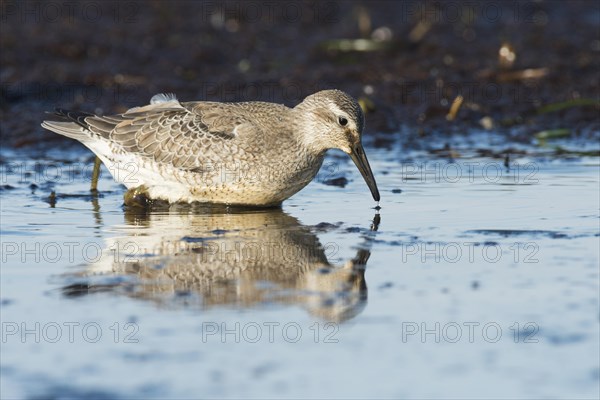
x=478 y=278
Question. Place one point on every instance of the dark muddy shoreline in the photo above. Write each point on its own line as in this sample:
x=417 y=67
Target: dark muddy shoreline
x=406 y=61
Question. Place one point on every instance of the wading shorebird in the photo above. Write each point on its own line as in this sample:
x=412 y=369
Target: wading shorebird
x=249 y=154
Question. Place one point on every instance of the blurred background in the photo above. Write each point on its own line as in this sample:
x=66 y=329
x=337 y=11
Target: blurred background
x=435 y=68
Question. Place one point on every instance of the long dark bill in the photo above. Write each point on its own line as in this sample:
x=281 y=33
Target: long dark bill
x=360 y=159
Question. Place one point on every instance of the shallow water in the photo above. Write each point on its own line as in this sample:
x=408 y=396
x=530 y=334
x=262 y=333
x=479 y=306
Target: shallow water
x=472 y=281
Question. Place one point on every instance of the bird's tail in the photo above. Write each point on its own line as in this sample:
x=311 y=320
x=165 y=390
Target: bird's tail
x=73 y=124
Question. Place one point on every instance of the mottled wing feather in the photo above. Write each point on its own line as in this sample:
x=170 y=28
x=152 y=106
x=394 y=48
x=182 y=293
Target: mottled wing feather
x=178 y=134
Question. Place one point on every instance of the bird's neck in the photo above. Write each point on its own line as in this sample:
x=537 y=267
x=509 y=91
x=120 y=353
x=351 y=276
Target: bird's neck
x=307 y=128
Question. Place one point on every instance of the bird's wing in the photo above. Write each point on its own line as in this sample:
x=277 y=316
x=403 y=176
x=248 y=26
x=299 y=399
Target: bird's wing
x=180 y=134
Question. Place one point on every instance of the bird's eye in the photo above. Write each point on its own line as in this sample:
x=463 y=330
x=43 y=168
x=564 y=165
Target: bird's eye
x=343 y=121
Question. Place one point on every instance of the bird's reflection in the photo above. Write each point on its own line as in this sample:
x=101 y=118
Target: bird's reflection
x=243 y=259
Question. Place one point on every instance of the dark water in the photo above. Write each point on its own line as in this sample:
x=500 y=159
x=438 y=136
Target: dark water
x=481 y=278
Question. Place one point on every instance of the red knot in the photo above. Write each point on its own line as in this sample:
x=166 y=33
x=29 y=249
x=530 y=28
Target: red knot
x=250 y=153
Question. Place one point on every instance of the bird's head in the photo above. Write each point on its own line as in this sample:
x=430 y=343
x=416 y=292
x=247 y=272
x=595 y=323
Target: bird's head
x=336 y=121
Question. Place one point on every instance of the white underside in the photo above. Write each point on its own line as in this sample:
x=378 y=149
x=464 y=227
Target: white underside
x=132 y=172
